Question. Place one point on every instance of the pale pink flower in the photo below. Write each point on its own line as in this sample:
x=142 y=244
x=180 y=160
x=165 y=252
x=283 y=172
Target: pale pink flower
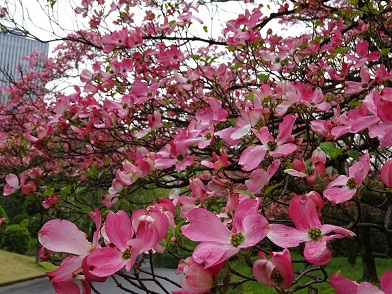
x=12 y=185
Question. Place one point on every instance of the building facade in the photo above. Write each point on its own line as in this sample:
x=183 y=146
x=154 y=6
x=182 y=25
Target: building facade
x=13 y=46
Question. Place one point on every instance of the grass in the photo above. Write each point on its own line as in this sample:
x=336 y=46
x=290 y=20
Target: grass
x=337 y=264
x=14 y=267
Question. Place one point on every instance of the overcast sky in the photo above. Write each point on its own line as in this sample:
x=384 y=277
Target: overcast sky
x=33 y=14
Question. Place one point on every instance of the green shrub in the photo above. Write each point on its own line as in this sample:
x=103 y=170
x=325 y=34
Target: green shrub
x=20 y=217
x=16 y=239
x=3 y=225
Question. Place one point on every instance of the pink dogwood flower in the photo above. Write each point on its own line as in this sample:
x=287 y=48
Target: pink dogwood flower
x=218 y=243
x=123 y=247
x=253 y=155
x=303 y=212
x=311 y=172
x=259 y=177
x=197 y=280
x=64 y=236
x=343 y=285
x=12 y=185
x=49 y=201
x=386 y=173
x=344 y=187
x=277 y=271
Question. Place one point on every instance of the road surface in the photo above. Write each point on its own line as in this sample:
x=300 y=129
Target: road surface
x=43 y=286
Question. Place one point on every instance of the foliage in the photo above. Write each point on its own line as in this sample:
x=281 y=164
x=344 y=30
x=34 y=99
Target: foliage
x=17 y=239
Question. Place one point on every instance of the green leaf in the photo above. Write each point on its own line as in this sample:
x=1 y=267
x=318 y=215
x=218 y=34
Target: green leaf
x=245 y=192
x=331 y=150
x=80 y=190
x=49 y=191
x=354 y=103
x=385 y=51
x=65 y=190
x=353 y=153
x=327 y=147
x=269 y=189
x=263 y=77
x=335 y=153
x=52 y=3
x=196 y=56
x=231 y=121
x=238 y=64
x=205 y=28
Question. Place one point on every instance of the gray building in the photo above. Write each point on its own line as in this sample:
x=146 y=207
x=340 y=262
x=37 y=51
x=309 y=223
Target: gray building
x=13 y=46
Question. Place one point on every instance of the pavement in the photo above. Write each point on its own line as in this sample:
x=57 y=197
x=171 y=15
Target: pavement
x=41 y=285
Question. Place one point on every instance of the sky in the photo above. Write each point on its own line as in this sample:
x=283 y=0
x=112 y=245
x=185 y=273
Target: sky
x=33 y=14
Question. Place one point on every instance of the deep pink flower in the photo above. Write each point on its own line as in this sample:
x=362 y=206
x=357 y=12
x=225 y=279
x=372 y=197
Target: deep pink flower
x=303 y=212
x=64 y=236
x=124 y=247
x=197 y=280
x=253 y=155
x=309 y=172
x=49 y=201
x=259 y=177
x=277 y=271
x=386 y=173
x=218 y=243
x=344 y=187
x=343 y=285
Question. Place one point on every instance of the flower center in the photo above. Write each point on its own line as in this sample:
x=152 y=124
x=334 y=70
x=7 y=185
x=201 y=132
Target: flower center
x=272 y=145
x=237 y=239
x=309 y=170
x=277 y=276
x=351 y=183
x=180 y=157
x=126 y=254
x=315 y=234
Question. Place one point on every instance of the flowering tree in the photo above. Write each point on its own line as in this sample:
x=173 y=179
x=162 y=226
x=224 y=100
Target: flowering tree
x=257 y=138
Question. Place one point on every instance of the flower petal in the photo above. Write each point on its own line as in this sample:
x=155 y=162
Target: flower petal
x=386 y=282
x=201 y=219
x=64 y=236
x=251 y=157
x=210 y=254
x=103 y=262
x=119 y=229
x=343 y=285
x=285 y=236
x=318 y=253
